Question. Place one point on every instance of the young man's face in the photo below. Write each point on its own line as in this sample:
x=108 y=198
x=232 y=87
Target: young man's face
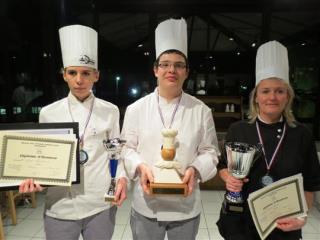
x=80 y=80
x=171 y=72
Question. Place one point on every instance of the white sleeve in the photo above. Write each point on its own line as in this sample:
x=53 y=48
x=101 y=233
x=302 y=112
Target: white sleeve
x=130 y=134
x=41 y=116
x=208 y=150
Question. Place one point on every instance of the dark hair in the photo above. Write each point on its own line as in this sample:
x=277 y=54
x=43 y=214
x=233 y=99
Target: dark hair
x=156 y=63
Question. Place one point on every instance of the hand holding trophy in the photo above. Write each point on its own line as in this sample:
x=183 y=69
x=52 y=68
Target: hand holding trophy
x=113 y=147
x=240 y=157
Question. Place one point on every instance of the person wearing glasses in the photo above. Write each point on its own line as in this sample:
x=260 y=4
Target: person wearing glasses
x=81 y=208
x=168 y=107
x=287 y=148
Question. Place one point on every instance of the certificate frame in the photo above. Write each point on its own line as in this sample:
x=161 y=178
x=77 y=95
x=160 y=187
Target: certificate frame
x=33 y=127
x=297 y=206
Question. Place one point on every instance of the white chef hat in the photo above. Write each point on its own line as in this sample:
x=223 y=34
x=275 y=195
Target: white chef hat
x=79 y=46
x=272 y=61
x=171 y=34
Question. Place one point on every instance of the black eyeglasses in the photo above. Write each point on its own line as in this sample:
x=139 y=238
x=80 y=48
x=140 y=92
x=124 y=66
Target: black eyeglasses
x=176 y=65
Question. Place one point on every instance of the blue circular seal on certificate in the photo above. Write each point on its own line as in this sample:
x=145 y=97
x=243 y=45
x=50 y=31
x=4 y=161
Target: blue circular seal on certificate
x=83 y=156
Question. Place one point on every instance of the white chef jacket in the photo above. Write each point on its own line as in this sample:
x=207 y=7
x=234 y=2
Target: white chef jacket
x=197 y=147
x=87 y=198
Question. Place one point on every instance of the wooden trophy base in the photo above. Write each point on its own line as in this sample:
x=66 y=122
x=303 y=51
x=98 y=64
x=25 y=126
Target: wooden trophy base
x=108 y=198
x=167 y=182
x=168 y=189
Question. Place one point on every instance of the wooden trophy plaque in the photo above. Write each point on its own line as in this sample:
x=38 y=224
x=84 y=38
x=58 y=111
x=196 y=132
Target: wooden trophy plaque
x=167 y=182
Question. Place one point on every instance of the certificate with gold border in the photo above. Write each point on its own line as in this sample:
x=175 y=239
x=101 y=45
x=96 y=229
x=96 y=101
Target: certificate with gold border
x=283 y=198
x=45 y=158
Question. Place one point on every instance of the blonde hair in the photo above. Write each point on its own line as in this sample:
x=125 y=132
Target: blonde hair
x=287 y=112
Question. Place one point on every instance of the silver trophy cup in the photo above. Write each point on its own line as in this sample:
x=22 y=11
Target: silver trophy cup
x=113 y=147
x=240 y=157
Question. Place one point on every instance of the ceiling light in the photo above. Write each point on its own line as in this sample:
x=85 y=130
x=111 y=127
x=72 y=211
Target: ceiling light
x=253 y=44
x=231 y=38
x=140 y=45
x=238 y=53
x=134 y=91
x=303 y=44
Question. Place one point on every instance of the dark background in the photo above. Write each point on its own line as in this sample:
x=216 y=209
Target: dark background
x=223 y=37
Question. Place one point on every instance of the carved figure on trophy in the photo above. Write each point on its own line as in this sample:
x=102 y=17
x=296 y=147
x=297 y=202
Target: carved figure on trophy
x=167 y=179
x=168 y=150
x=113 y=147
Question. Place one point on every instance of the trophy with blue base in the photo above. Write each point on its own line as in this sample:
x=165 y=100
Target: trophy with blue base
x=113 y=147
x=240 y=157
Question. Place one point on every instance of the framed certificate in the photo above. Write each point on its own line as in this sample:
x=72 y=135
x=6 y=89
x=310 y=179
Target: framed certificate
x=283 y=198
x=47 y=152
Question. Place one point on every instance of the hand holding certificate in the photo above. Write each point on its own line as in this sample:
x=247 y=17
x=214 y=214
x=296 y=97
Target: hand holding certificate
x=46 y=159
x=284 y=198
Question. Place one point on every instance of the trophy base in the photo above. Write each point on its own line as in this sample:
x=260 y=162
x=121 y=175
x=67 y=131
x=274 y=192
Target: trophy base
x=232 y=207
x=168 y=182
x=108 y=198
x=168 y=189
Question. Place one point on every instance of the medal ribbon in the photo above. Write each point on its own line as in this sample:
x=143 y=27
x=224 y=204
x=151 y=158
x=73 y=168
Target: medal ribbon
x=173 y=114
x=275 y=151
x=81 y=141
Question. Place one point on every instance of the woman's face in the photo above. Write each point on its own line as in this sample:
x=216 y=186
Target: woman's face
x=80 y=80
x=272 y=98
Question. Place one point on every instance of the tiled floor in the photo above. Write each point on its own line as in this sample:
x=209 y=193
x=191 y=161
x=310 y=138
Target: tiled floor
x=30 y=225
